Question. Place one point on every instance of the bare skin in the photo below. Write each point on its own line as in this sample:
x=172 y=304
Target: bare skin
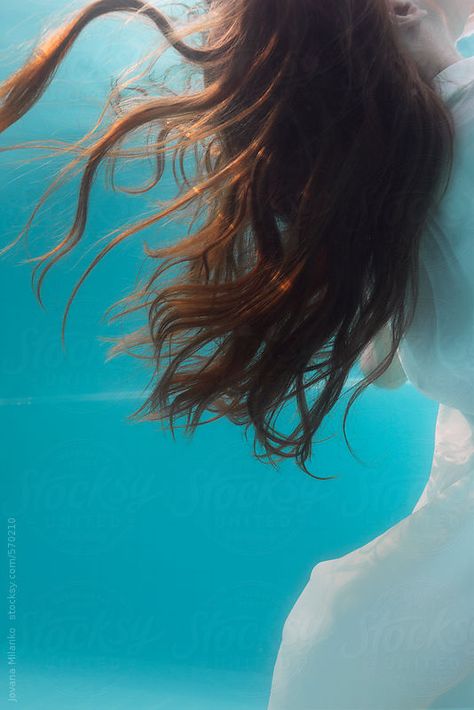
x=429 y=29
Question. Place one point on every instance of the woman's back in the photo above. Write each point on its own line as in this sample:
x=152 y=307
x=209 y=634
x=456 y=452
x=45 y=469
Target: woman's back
x=388 y=626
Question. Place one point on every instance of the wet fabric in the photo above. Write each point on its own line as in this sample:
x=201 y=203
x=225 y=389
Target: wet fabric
x=390 y=626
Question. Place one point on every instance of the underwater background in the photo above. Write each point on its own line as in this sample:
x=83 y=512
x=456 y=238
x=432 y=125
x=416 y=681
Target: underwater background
x=151 y=573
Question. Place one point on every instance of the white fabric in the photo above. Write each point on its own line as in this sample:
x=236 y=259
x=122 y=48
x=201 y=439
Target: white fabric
x=437 y=352
x=390 y=626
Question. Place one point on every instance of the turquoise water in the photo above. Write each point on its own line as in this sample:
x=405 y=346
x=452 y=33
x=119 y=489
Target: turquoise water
x=152 y=573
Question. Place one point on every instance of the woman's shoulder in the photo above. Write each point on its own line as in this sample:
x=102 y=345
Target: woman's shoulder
x=455 y=80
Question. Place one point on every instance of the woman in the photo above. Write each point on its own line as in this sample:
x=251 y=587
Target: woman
x=391 y=624
x=333 y=190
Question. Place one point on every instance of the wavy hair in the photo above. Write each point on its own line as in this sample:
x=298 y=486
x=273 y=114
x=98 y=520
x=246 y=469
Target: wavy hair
x=319 y=152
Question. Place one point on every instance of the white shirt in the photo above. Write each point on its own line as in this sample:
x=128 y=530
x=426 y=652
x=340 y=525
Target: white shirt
x=437 y=352
x=390 y=625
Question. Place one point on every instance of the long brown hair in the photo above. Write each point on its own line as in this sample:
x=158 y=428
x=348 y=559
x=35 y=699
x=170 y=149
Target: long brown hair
x=319 y=153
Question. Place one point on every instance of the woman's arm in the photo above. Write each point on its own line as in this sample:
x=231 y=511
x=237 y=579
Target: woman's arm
x=374 y=354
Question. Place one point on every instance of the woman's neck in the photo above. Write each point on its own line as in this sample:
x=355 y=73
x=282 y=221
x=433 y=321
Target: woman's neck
x=437 y=49
x=441 y=61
